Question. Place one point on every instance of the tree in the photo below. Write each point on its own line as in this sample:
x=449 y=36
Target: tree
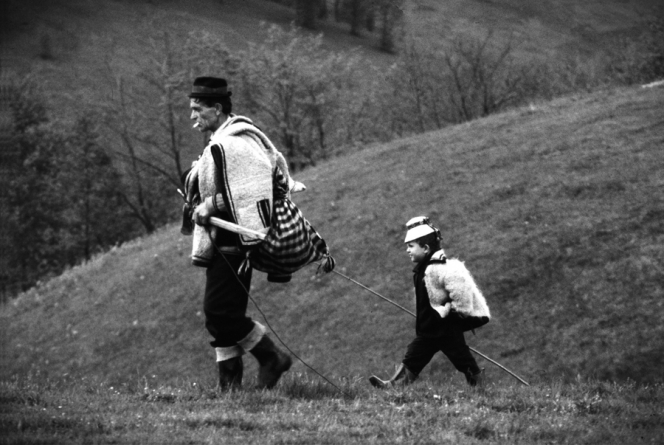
x=145 y=120
x=306 y=12
x=338 y=11
x=391 y=17
x=60 y=192
x=357 y=10
x=143 y=179
x=93 y=221
x=299 y=91
x=484 y=79
x=22 y=181
x=469 y=79
x=419 y=89
x=366 y=14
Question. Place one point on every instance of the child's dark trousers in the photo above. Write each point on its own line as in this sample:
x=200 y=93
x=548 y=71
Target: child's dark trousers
x=452 y=343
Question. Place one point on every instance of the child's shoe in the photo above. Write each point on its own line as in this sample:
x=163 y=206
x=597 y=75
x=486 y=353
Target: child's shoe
x=401 y=373
x=476 y=380
x=378 y=383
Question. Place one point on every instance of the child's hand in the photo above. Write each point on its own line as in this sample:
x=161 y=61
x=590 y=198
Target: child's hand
x=443 y=310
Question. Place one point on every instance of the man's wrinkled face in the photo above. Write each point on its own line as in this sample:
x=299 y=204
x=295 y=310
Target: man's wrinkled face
x=207 y=118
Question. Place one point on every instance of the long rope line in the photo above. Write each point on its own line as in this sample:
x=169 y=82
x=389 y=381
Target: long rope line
x=272 y=329
x=267 y=322
x=363 y=287
x=411 y=313
x=373 y=292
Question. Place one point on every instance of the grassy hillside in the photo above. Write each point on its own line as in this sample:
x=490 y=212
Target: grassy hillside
x=556 y=208
x=542 y=28
x=70 y=44
x=302 y=411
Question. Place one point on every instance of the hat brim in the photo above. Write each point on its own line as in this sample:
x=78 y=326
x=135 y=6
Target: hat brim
x=418 y=232
x=207 y=96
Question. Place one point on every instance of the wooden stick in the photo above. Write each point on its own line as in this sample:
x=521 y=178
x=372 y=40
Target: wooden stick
x=232 y=227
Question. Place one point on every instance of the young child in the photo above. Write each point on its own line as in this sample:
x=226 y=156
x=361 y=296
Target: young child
x=448 y=304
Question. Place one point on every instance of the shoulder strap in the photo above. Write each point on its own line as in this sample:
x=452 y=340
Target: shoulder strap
x=442 y=260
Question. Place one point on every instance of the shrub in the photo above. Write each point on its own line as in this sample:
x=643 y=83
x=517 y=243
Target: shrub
x=300 y=92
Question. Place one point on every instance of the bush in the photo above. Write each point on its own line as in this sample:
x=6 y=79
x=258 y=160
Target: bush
x=60 y=191
x=300 y=92
x=640 y=60
x=471 y=78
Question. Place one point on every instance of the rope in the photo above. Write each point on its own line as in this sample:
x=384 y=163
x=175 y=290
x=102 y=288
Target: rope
x=373 y=292
x=330 y=268
x=411 y=313
x=270 y=326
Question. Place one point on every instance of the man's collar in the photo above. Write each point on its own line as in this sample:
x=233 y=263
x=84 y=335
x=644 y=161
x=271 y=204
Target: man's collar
x=223 y=125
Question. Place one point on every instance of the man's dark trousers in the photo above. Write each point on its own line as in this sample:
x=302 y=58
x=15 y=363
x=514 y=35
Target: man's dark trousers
x=226 y=300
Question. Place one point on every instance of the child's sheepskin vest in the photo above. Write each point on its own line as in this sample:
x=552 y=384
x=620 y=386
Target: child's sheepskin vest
x=452 y=282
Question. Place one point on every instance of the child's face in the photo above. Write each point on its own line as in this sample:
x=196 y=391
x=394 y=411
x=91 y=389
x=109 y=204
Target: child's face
x=417 y=253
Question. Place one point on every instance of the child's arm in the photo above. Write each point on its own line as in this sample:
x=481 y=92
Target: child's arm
x=443 y=310
x=461 y=287
x=452 y=284
x=439 y=298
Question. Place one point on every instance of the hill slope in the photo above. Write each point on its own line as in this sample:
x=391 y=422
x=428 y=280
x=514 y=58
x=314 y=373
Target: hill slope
x=71 y=44
x=541 y=28
x=557 y=210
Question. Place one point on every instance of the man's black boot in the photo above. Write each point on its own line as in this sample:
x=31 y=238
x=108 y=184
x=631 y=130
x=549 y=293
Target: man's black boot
x=273 y=362
x=230 y=373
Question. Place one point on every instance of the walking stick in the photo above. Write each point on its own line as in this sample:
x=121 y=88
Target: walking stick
x=232 y=227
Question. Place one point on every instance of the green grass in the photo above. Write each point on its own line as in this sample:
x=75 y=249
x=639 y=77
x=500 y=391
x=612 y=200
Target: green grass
x=302 y=410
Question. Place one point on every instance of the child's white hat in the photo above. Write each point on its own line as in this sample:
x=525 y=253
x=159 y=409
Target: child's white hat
x=418 y=227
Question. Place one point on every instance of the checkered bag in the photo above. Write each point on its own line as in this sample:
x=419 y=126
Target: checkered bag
x=291 y=243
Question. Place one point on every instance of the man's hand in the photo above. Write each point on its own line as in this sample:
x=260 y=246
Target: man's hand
x=203 y=212
x=298 y=187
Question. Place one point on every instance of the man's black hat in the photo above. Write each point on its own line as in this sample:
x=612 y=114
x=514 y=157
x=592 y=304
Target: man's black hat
x=209 y=88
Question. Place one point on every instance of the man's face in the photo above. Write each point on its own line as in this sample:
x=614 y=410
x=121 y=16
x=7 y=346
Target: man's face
x=207 y=118
x=417 y=253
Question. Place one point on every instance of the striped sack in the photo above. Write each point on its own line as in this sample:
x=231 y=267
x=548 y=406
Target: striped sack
x=291 y=243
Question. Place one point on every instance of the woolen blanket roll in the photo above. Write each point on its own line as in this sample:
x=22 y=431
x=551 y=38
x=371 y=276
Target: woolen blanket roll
x=238 y=163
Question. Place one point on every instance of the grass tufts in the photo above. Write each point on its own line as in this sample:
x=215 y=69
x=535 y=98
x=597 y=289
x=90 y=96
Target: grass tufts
x=302 y=410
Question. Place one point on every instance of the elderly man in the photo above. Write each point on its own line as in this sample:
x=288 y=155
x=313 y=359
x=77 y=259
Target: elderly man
x=231 y=180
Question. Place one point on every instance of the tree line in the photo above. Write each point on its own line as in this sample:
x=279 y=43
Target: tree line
x=74 y=188
x=384 y=17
